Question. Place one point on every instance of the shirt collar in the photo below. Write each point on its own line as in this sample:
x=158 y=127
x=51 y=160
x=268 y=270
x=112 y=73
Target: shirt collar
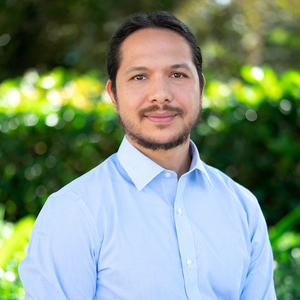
x=142 y=169
x=197 y=162
x=138 y=166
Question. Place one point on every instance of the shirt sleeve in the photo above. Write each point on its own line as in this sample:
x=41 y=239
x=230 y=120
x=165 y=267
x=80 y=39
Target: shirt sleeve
x=259 y=282
x=61 y=262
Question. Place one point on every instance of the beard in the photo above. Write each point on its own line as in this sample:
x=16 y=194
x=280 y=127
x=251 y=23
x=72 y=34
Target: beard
x=153 y=144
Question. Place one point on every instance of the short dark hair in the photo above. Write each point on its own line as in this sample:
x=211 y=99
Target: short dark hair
x=157 y=19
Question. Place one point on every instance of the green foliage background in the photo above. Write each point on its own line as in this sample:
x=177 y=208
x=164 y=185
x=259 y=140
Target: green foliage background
x=56 y=121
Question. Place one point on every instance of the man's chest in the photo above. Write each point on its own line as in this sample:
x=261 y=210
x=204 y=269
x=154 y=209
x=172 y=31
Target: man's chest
x=152 y=250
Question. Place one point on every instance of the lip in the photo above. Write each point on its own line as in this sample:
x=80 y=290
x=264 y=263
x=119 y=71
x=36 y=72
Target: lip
x=161 y=117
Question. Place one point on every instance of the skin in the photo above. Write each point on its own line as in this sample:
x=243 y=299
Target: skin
x=158 y=94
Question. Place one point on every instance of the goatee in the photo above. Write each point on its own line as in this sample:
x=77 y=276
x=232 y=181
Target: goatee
x=147 y=143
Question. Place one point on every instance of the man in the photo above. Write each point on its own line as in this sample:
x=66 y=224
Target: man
x=152 y=221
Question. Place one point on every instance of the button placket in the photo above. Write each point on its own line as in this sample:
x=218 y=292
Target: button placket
x=186 y=243
x=169 y=184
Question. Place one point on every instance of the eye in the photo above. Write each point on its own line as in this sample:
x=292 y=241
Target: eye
x=139 y=77
x=178 y=75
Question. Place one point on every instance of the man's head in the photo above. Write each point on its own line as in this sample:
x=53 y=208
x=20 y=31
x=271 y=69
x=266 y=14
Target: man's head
x=155 y=20
x=156 y=82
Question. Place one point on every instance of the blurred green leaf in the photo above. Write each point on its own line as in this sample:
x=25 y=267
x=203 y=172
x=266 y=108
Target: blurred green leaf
x=287 y=223
x=15 y=244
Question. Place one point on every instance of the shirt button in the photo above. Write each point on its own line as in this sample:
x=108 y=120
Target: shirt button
x=179 y=211
x=167 y=174
x=188 y=262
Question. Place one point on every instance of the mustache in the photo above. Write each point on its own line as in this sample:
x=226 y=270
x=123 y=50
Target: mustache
x=156 y=107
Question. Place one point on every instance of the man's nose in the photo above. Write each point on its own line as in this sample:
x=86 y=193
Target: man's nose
x=159 y=91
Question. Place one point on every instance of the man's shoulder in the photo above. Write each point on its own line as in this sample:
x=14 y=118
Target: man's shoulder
x=81 y=199
x=222 y=181
x=91 y=180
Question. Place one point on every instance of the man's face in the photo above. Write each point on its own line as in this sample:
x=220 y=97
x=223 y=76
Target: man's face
x=158 y=95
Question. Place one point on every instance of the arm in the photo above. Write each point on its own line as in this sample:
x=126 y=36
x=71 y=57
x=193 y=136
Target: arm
x=259 y=283
x=62 y=254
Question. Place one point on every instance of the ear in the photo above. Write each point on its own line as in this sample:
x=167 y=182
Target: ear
x=112 y=96
x=203 y=85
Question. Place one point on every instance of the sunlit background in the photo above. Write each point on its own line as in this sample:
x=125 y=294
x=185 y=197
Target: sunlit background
x=57 y=122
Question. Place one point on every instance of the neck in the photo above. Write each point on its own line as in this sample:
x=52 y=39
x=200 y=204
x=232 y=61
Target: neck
x=177 y=159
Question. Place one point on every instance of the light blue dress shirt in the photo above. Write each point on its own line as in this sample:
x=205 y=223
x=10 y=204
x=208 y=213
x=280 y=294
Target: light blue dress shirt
x=130 y=230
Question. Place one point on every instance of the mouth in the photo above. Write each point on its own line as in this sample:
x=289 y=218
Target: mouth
x=164 y=117
x=161 y=115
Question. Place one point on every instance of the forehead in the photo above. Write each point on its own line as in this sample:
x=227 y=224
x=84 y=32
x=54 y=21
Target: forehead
x=153 y=43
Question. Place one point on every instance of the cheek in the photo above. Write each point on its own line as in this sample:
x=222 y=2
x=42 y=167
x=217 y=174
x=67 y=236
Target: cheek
x=132 y=101
x=127 y=106
x=191 y=105
x=186 y=100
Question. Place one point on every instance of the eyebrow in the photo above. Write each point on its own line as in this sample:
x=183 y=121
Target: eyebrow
x=180 y=66
x=176 y=66
x=134 y=69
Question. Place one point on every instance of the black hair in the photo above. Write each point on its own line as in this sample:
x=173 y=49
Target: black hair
x=157 y=19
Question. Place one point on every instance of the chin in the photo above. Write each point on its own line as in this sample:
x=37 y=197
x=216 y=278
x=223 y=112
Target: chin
x=160 y=143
